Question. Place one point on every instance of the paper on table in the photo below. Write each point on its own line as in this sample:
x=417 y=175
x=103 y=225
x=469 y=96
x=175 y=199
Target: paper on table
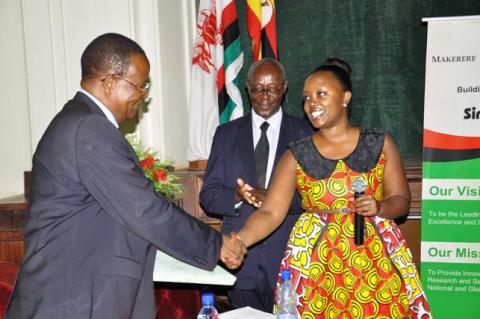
x=246 y=312
x=169 y=269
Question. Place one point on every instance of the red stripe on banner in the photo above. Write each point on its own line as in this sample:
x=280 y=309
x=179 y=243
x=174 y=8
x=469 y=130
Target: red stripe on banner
x=254 y=30
x=229 y=15
x=220 y=79
x=438 y=140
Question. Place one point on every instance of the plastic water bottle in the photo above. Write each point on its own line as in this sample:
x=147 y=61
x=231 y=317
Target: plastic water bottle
x=286 y=297
x=208 y=310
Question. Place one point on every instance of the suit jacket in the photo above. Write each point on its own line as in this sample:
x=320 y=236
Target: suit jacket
x=93 y=223
x=232 y=156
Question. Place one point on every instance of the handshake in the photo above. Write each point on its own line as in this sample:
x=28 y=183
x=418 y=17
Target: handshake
x=233 y=250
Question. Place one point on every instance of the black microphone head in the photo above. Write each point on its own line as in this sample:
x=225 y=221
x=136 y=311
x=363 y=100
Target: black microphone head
x=359 y=185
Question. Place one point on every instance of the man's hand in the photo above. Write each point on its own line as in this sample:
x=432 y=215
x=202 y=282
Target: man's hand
x=253 y=196
x=233 y=250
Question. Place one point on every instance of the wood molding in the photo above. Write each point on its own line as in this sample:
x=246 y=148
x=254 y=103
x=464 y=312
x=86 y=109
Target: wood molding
x=198 y=165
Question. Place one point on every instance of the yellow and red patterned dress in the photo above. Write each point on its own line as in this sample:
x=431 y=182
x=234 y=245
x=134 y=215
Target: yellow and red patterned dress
x=334 y=278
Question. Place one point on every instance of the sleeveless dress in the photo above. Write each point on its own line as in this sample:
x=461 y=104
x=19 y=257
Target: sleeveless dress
x=333 y=277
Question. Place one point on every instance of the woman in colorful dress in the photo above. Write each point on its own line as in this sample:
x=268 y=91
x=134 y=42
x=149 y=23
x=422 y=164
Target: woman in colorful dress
x=333 y=276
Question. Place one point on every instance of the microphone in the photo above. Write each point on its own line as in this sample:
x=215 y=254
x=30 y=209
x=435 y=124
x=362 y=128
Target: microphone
x=359 y=186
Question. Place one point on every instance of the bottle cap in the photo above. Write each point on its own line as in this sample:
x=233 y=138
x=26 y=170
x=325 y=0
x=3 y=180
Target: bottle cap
x=207 y=298
x=286 y=274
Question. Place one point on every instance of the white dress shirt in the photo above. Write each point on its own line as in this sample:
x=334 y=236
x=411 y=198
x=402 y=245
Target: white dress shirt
x=102 y=107
x=273 y=133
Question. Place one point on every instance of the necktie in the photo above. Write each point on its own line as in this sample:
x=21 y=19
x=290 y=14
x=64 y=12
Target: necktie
x=261 y=155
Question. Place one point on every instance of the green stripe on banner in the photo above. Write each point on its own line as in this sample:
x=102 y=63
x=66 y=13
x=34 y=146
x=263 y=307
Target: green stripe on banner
x=453 y=289
x=469 y=169
x=450 y=227
x=227 y=112
x=231 y=53
x=448 y=217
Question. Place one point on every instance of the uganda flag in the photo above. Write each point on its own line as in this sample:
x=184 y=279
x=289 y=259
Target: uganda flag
x=215 y=96
x=262 y=28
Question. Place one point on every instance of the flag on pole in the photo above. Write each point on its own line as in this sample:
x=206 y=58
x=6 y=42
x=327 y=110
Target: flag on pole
x=215 y=96
x=262 y=28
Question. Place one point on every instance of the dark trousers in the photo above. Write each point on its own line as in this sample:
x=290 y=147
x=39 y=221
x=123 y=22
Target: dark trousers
x=261 y=297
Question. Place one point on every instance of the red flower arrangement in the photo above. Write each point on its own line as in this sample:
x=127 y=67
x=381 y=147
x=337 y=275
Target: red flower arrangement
x=160 y=172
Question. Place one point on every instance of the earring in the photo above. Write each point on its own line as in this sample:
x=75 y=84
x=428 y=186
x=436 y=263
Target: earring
x=344 y=104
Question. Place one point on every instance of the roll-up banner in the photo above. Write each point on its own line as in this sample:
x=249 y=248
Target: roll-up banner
x=450 y=258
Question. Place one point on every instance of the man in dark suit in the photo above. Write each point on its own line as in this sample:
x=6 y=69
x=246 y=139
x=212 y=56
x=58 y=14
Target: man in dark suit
x=94 y=220
x=235 y=160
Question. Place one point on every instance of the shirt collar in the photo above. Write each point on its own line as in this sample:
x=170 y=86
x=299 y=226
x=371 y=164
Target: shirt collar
x=274 y=120
x=102 y=107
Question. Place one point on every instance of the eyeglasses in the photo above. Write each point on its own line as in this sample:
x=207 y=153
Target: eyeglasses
x=145 y=89
x=271 y=90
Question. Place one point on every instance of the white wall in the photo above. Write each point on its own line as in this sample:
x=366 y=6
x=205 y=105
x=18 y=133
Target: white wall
x=42 y=41
x=175 y=35
x=15 y=142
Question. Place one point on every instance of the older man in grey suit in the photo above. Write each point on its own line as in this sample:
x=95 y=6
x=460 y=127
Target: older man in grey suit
x=94 y=220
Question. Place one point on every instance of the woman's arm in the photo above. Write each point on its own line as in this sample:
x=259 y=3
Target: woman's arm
x=396 y=192
x=274 y=208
